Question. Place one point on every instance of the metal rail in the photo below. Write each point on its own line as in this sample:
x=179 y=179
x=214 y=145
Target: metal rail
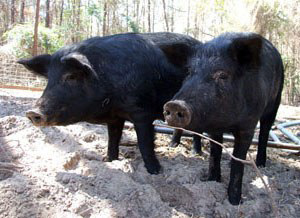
x=286 y=132
x=276 y=143
x=230 y=138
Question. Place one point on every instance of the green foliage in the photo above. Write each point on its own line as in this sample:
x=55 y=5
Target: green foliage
x=20 y=38
x=220 y=5
x=272 y=19
x=132 y=25
x=94 y=10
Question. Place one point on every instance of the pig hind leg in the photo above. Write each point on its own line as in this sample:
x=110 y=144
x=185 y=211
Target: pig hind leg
x=266 y=123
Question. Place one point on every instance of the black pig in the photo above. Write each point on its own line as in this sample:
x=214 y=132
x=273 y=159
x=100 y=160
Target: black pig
x=112 y=79
x=236 y=80
x=175 y=48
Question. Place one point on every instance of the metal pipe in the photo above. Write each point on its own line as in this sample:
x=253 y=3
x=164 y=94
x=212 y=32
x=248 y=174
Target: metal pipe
x=274 y=136
x=226 y=138
x=229 y=138
x=291 y=123
x=290 y=135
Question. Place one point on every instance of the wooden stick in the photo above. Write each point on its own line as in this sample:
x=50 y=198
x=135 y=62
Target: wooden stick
x=9 y=166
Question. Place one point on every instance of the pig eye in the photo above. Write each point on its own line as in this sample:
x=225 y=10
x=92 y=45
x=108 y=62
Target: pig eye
x=69 y=77
x=221 y=75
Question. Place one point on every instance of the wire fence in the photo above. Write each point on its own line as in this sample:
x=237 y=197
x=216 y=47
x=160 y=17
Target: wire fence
x=14 y=75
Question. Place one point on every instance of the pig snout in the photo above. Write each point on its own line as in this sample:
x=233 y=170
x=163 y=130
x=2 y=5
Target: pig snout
x=177 y=113
x=36 y=117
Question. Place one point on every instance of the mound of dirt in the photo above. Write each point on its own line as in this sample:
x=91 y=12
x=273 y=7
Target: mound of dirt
x=60 y=172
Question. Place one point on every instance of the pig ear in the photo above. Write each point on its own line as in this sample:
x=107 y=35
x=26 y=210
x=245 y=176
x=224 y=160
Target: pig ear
x=79 y=61
x=246 y=50
x=177 y=53
x=38 y=64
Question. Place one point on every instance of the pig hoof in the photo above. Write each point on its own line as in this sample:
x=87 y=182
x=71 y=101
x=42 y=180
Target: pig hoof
x=260 y=163
x=173 y=144
x=197 y=152
x=153 y=168
x=208 y=178
x=109 y=159
x=235 y=200
x=216 y=178
x=234 y=196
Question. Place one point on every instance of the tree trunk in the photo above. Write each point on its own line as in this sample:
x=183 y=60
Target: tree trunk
x=108 y=16
x=172 y=17
x=196 y=27
x=6 y=16
x=22 y=14
x=137 y=12
x=74 y=20
x=114 y=22
x=127 y=16
x=188 y=17
x=36 y=26
x=78 y=21
x=153 y=15
x=48 y=19
x=104 y=18
x=13 y=11
x=61 y=13
x=55 y=12
x=165 y=15
x=90 y=27
x=143 y=15
x=149 y=15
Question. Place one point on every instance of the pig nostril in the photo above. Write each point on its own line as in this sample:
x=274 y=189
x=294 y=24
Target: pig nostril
x=37 y=118
x=166 y=113
x=180 y=115
x=34 y=117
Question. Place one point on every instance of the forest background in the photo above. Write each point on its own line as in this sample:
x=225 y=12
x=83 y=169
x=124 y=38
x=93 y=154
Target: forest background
x=42 y=26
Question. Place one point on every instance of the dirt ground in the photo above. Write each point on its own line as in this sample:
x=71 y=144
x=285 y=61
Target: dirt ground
x=60 y=172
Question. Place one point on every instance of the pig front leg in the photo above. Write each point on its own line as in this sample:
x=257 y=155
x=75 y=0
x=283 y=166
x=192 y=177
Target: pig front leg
x=176 y=141
x=242 y=143
x=176 y=138
x=114 y=136
x=145 y=136
x=214 y=173
x=197 y=147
